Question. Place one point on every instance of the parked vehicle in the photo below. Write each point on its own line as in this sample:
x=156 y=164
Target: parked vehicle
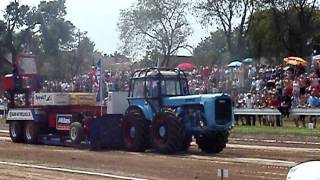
x=307 y=171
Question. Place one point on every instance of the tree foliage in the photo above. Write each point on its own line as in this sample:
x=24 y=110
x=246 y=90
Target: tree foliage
x=159 y=25
x=233 y=17
x=263 y=37
x=285 y=28
x=62 y=49
x=297 y=23
x=14 y=18
x=272 y=29
x=212 y=50
x=150 y=59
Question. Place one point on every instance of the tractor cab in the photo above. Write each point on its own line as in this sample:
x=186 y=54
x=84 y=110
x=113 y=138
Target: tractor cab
x=23 y=79
x=23 y=75
x=153 y=84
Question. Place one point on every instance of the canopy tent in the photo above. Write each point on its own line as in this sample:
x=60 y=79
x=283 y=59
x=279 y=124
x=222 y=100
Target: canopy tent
x=248 y=61
x=186 y=66
x=235 y=64
x=295 y=61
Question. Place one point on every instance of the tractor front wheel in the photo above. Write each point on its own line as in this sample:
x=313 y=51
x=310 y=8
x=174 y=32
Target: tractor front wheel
x=16 y=131
x=167 y=133
x=213 y=143
x=135 y=132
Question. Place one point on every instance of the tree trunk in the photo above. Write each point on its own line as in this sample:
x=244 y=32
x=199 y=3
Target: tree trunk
x=230 y=47
x=241 y=48
x=165 y=61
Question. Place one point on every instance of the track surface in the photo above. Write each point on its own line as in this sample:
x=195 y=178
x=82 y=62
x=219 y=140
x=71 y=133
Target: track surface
x=245 y=158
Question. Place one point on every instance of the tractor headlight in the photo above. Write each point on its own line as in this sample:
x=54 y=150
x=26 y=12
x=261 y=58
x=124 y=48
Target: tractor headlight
x=201 y=123
x=200 y=118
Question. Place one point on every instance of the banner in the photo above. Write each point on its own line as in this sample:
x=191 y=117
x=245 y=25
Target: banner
x=63 y=122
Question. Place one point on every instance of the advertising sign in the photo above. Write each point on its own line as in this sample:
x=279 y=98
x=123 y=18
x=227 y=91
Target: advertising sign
x=45 y=99
x=20 y=115
x=63 y=122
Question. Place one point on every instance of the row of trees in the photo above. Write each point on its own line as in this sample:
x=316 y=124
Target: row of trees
x=240 y=28
x=61 y=48
x=160 y=28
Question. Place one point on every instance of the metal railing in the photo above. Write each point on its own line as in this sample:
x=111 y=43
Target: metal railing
x=3 y=110
x=269 y=111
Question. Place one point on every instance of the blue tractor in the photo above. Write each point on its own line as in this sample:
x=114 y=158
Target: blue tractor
x=163 y=115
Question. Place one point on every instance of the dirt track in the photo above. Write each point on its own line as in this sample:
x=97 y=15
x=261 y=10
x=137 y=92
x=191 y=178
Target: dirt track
x=12 y=172
x=246 y=159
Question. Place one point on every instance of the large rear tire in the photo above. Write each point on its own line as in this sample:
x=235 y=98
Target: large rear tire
x=213 y=143
x=135 y=132
x=167 y=133
x=31 y=132
x=16 y=131
x=76 y=133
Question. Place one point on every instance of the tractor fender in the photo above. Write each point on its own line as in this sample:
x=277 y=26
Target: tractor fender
x=146 y=111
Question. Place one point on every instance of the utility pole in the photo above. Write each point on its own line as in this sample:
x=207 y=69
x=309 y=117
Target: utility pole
x=78 y=69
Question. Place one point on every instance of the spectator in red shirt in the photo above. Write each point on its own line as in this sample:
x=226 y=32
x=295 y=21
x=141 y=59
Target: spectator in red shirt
x=274 y=102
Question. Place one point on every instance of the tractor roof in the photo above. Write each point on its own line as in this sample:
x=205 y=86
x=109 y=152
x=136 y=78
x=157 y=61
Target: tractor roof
x=159 y=72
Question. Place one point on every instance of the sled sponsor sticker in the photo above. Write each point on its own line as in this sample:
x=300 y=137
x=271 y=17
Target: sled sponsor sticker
x=20 y=115
x=63 y=121
x=45 y=99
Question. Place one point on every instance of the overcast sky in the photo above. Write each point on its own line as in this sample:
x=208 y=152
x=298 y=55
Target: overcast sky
x=99 y=18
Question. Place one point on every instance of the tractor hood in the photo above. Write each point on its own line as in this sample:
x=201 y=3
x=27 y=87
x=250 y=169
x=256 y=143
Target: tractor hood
x=191 y=99
x=218 y=108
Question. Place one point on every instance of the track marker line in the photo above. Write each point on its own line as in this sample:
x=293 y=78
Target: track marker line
x=260 y=161
x=273 y=148
x=5 y=139
x=274 y=141
x=270 y=148
x=70 y=171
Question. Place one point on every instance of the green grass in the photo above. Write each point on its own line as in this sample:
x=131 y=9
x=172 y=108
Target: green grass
x=276 y=130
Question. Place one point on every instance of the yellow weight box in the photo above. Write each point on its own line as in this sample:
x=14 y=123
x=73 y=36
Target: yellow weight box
x=83 y=99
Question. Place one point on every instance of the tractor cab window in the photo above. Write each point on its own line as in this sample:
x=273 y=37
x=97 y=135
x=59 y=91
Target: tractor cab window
x=138 y=88
x=152 y=88
x=184 y=85
x=171 y=87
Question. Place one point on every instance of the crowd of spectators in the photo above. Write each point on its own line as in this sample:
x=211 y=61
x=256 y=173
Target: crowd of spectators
x=265 y=86
x=113 y=80
x=251 y=86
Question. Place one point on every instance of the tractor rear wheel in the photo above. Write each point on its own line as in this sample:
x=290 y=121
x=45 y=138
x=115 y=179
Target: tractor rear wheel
x=76 y=133
x=31 y=132
x=167 y=133
x=213 y=143
x=16 y=131
x=135 y=132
